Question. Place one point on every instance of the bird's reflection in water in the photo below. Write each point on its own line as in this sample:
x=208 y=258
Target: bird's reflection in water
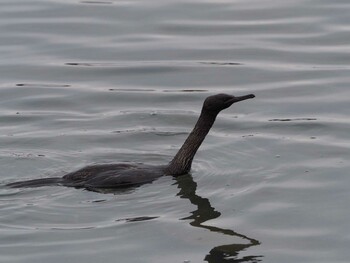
x=221 y=254
x=204 y=212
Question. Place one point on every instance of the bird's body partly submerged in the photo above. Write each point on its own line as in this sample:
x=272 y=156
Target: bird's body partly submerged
x=133 y=174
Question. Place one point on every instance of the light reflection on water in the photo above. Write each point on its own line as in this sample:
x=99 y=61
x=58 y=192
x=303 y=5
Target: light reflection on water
x=115 y=81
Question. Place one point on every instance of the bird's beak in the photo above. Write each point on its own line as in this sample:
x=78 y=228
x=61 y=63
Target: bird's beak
x=240 y=98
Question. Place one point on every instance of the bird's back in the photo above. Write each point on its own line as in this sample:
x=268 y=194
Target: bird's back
x=113 y=175
x=101 y=176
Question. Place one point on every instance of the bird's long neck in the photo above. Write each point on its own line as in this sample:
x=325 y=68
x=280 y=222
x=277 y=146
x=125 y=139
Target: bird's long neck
x=181 y=163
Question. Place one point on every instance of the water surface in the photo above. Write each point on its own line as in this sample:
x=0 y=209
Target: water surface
x=87 y=82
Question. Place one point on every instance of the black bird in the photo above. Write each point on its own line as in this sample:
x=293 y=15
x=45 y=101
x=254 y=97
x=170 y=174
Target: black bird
x=134 y=174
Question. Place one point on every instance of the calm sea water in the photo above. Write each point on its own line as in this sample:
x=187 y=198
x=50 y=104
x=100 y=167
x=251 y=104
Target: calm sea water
x=103 y=81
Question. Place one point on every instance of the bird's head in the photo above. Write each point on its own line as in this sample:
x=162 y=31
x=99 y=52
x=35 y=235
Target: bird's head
x=219 y=102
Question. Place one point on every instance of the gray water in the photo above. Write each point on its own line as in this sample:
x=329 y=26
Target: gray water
x=84 y=82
